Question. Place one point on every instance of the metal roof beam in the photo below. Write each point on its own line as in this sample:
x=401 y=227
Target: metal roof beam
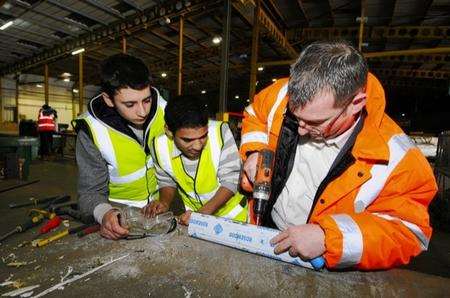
x=374 y=32
x=412 y=73
x=135 y=23
x=105 y=8
x=272 y=30
x=70 y=9
x=55 y=18
x=302 y=8
x=40 y=24
x=134 y=5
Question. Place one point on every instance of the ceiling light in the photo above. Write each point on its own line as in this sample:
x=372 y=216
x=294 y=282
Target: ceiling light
x=260 y=68
x=6 y=25
x=39 y=85
x=248 y=100
x=76 y=52
x=236 y=96
x=75 y=90
x=66 y=79
x=163 y=74
x=203 y=91
x=66 y=74
x=217 y=39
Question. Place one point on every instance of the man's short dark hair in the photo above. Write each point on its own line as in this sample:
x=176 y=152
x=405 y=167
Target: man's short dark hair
x=185 y=111
x=334 y=66
x=123 y=71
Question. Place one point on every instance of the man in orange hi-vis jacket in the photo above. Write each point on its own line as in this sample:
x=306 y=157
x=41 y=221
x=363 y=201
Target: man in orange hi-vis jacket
x=348 y=184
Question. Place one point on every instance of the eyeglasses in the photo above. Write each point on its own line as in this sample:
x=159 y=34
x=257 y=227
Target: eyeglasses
x=316 y=130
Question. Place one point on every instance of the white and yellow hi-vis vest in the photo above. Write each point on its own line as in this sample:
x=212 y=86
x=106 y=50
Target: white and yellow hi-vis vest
x=132 y=178
x=195 y=192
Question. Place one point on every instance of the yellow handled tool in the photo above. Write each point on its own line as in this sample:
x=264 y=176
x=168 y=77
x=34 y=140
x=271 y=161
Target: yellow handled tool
x=42 y=242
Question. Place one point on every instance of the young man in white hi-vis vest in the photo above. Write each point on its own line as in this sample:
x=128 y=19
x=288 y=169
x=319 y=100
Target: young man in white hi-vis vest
x=113 y=155
x=199 y=160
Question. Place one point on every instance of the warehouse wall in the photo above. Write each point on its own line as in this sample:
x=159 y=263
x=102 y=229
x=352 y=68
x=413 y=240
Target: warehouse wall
x=31 y=97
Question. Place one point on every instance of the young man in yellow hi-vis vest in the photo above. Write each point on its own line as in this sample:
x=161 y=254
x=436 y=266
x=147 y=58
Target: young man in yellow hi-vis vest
x=199 y=160
x=114 y=135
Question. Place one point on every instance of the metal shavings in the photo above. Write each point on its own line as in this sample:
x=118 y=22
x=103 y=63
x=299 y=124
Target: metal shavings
x=69 y=271
x=77 y=277
x=16 y=264
x=9 y=258
x=187 y=293
x=20 y=291
x=27 y=294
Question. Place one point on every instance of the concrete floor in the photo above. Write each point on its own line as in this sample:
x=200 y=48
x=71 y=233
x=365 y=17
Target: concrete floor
x=186 y=267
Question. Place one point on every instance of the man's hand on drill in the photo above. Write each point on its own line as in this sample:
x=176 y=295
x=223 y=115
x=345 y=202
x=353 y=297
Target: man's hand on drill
x=111 y=228
x=304 y=241
x=250 y=166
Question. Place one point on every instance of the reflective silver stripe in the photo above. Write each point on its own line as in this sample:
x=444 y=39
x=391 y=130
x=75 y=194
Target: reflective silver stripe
x=161 y=103
x=249 y=109
x=204 y=197
x=214 y=141
x=46 y=117
x=424 y=241
x=128 y=178
x=163 y=154
x=352 y=241
x=281 y=94
x=234 y=212
x=46 y=124
x=369 y=191
x=105 y=145
x=138 y=204
x=256 y=136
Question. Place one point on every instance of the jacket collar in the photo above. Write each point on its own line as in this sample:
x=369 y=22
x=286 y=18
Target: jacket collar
x=370 y=144
x=109 y=116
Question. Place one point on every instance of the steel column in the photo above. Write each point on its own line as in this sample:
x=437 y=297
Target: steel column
x=361 y=24
x=80 y=83
x=17 y=98
x=46 y=83
x=1 y=101
x=225 y=58
x=254 y=58
x=74 y=110
x=180 y=56
x=124 y=44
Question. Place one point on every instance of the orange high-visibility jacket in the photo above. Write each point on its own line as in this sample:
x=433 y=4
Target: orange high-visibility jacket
x=46 y=123
x=374 y=214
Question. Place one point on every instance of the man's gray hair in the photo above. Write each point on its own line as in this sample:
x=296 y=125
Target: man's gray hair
x=324 y=66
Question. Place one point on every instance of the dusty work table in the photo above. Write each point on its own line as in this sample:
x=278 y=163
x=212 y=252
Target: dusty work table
x=187 y=267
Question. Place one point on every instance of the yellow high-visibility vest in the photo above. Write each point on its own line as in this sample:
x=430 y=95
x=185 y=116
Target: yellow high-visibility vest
x=196 y=191
x=132 y=179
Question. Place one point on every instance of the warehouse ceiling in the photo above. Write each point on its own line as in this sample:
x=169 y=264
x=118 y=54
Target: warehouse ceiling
x=47 y=31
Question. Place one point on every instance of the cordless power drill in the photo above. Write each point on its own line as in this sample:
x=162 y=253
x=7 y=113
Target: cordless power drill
x=262 y=185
